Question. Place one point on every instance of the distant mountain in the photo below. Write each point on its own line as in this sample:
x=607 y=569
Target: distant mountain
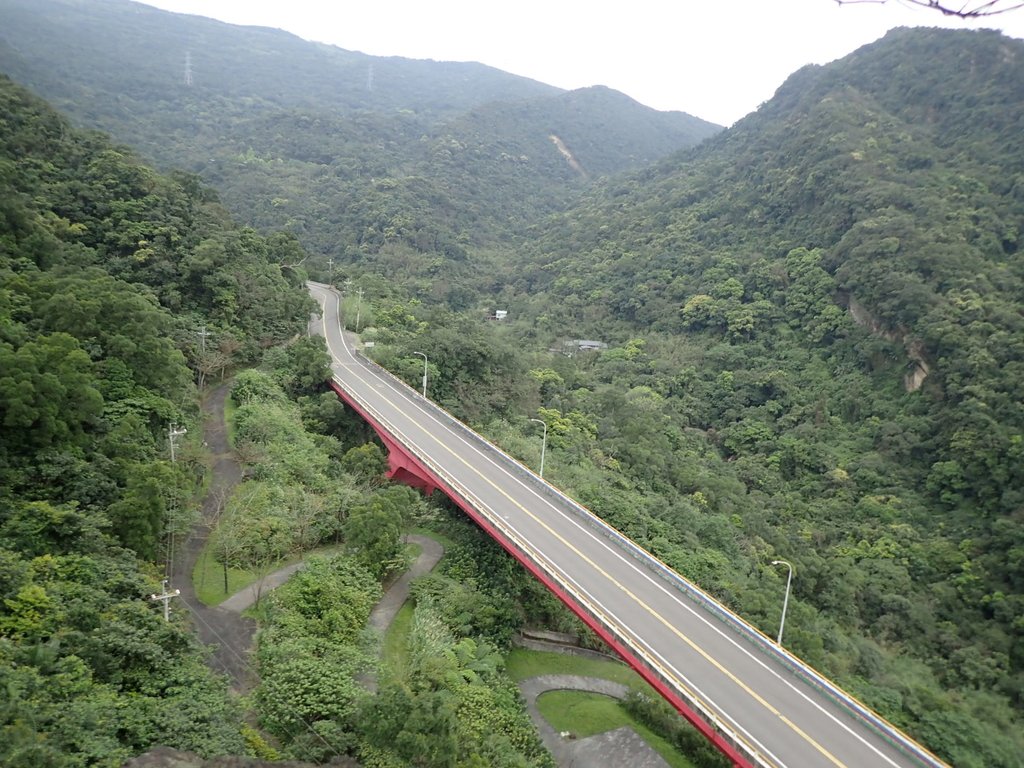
x=298 y=135
x=597 y=131
x=70 y=50
x=122 y=67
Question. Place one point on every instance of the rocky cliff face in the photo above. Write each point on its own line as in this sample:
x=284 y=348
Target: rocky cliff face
x=918 y=367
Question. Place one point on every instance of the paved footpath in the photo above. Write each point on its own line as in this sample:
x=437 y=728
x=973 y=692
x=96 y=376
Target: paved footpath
x=383 y=613
x=394 y=598
x=612 y=749
x=222 y=627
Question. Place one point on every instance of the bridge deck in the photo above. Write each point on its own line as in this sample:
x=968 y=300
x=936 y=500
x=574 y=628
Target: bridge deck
x=766 y=707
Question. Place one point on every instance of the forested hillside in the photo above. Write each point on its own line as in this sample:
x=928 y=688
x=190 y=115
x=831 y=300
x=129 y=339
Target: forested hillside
x=361 y=157
x=236 y=72
x=816 y=348
x=107 y=273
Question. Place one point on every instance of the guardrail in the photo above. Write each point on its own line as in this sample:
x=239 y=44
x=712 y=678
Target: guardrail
x=753 y=635
x=528 y=554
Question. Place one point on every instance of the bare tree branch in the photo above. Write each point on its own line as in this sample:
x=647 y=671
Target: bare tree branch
x=968 y=9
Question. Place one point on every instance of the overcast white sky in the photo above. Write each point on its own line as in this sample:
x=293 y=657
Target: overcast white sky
x=717 y=59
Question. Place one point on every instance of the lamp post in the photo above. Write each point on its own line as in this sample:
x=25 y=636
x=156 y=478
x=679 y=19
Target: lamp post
x=785 y=602
x=424 y=371
x=543 y=445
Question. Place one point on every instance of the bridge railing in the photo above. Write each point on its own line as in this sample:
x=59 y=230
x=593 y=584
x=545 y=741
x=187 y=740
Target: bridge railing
x=759 y=640
x=531 y=555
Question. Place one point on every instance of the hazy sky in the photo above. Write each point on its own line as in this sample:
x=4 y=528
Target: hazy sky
x=717 y=59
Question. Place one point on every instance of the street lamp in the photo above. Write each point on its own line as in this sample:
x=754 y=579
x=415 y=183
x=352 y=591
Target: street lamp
x=785 y=602
x=543 y=445
x=424 y=371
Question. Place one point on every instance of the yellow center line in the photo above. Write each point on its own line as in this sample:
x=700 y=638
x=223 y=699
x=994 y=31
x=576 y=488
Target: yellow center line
x=811 y=741
x=652 y=611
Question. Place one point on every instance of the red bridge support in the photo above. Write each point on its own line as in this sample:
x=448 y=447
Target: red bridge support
x=401 y=466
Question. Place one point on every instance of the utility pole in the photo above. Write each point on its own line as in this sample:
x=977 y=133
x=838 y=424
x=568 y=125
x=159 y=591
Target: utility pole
x=173 y=432
x=359 y=306
x=166 y=598
x=202 y=333
x=330 y=264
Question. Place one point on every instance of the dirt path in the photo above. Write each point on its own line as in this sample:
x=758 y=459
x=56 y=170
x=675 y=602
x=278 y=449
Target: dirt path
x=229 y=634
x=222 y=627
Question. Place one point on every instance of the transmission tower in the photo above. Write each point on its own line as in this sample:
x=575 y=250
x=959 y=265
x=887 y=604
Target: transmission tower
x=188 y=68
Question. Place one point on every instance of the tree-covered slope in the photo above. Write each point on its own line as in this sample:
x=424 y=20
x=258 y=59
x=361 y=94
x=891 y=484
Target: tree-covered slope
x=121 y=65
x=107 y=271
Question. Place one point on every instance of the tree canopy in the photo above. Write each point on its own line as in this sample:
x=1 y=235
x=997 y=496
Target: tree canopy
x=106 y=271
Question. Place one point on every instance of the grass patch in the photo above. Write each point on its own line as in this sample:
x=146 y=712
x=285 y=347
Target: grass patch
x=208 y=578
x=441 y=539
x=395 y=648
x=522 y=663
x=585 y=714
x=208 y=575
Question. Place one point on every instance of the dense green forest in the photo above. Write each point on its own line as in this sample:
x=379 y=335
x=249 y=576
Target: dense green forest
x=107 y=271
x=311 y=480
x=815 y=329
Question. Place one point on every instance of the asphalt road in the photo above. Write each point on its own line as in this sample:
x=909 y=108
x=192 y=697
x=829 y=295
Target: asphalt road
x=773 y=715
